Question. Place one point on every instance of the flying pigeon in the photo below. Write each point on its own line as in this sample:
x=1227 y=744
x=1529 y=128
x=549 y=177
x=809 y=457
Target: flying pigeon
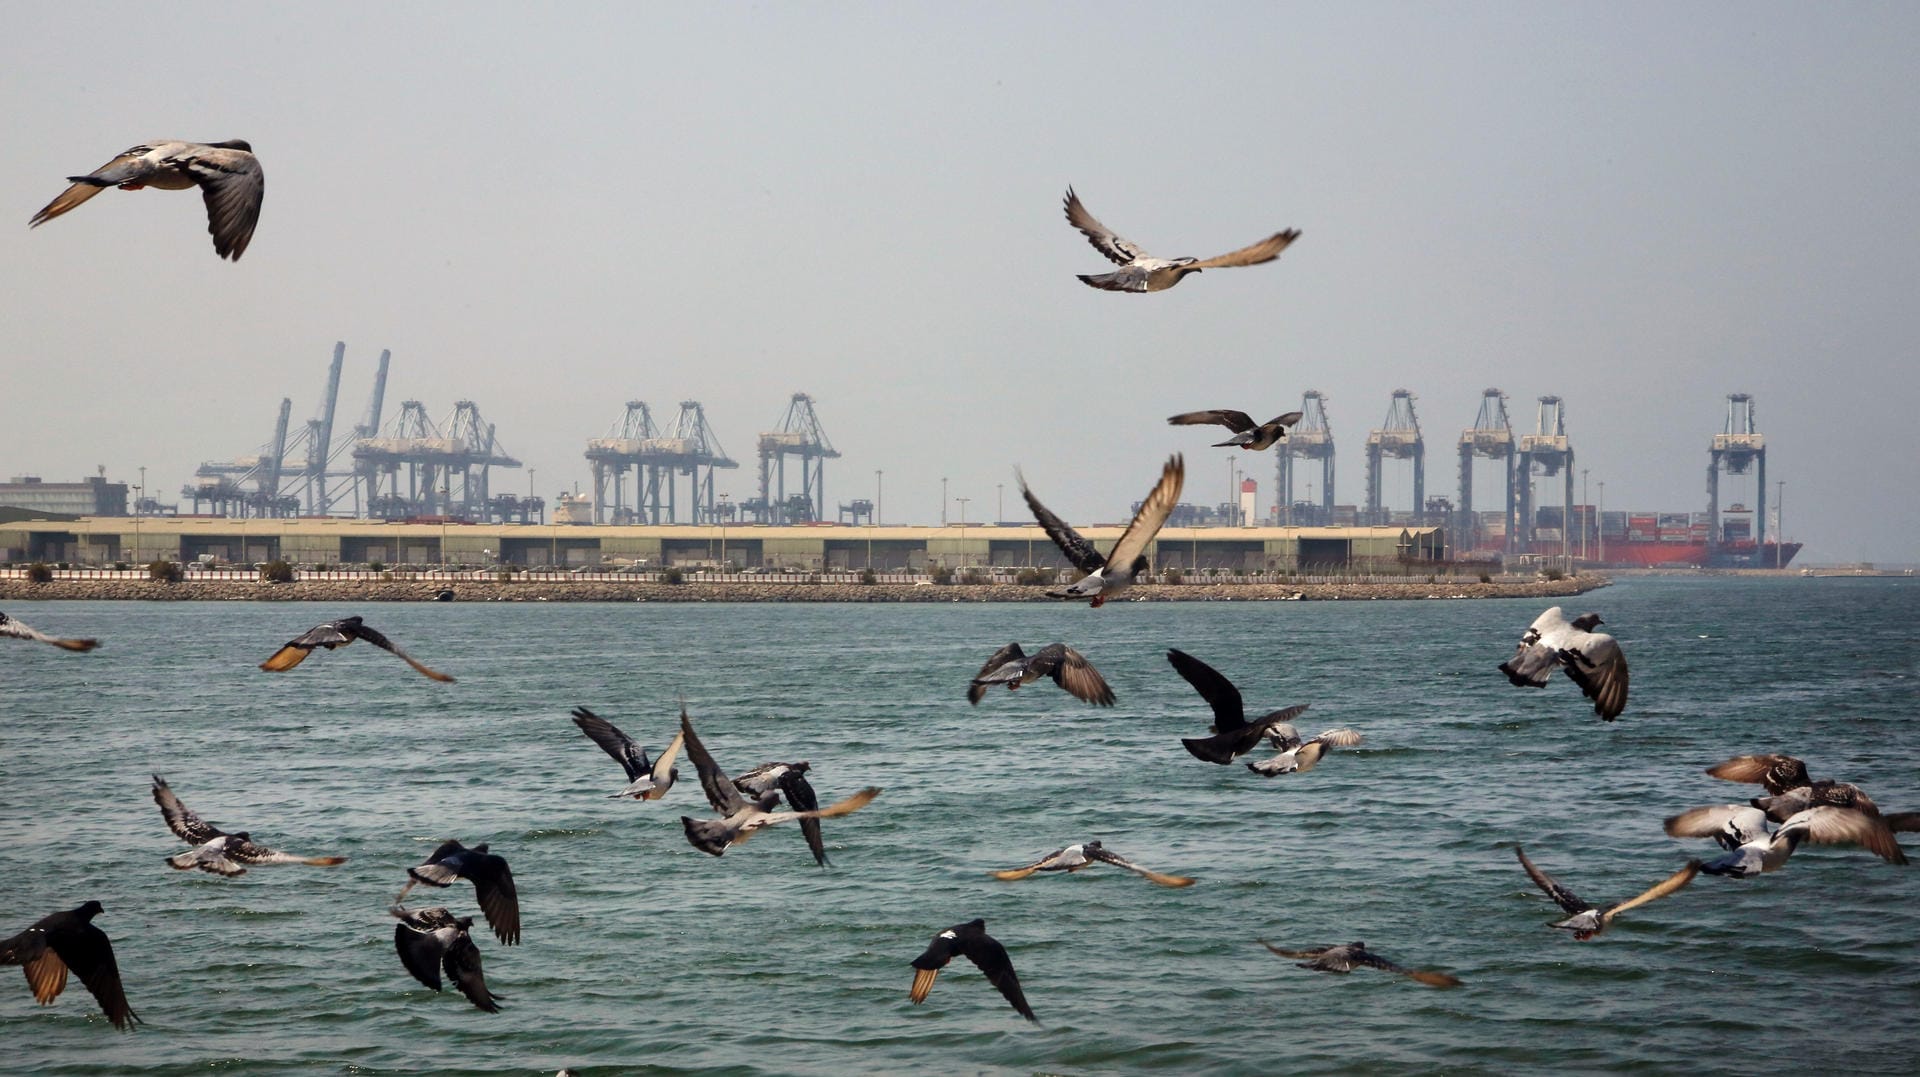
x=1586 y=921
x=1069 y=669
x=1113 y=573
x=741 y=817
x=1299 y=756
x=1233 y=735
x=1076 y=857
x=68 y=940
x=227 y=173
x=1843 y=813
x=646 y=780
x=492 y=883
x=1247 y=434
x=431 y=939
x=214 y=850
x=971 y=941
x=339 y=634
x=1142 y=272
x=12 y=629
x=790 y=780
x=1592 y=659
x=1355 y=955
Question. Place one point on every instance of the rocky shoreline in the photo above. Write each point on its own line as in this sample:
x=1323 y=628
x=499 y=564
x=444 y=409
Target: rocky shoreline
x=563 y=590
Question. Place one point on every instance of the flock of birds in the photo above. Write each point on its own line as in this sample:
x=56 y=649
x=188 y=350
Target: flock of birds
x=432 y=941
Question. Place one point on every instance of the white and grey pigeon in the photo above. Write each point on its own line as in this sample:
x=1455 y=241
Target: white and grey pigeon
x=1587 y=921
x=12 y=629
x=215 y=850
x=1142 y=272
x=1013 y=667
x=1084 y=855
x=1592 y=659
x=646 y=780
x=1299 y=756
x=1768 y=852
x=227 y=173
x=1109 y=574
x=1247 y=434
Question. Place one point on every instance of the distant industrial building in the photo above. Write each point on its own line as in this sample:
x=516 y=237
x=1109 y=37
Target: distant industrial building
x=88 y=497
x=809 y=548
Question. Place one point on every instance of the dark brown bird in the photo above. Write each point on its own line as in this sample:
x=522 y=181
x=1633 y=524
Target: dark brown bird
x=339 y=634
x=1233 y=735
x=492 y=883
x=1587 y=921
x=1355 y=955
x=12 y=629
x=971 y=941
x=790 y=780
x=68 y=940
x=1069 y=669
x=1247 y=434
x=431 y=939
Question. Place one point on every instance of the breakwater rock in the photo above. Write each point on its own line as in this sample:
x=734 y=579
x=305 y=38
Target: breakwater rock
x=565 y=590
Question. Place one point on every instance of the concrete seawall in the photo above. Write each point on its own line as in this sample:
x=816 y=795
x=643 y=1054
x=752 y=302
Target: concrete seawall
x=337 y=591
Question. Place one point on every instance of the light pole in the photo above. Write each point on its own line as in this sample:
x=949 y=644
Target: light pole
x=1779 y=515
x=723 y=532
x=1233 y=506
x=877 y=489
x=1584 y=521
x=1603 y=522
x=963 y=509
x=1000 y=498
x=943 y=501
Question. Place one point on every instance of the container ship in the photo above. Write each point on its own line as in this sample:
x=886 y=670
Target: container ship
x=1641 y=539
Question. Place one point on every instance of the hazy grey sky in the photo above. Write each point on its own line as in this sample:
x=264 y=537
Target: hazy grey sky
x=552 y=210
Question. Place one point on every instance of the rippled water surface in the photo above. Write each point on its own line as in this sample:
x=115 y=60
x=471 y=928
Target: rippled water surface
x=641 y=951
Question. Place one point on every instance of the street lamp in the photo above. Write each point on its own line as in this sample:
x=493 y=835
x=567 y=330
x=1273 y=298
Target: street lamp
x=1000 y=508
x=1779 y=515
x=1233 y=504
x=877 y=473
x=1602 y=546
x=723 y=532
x=963 y=509
x=943 y=501
x=1584 y=509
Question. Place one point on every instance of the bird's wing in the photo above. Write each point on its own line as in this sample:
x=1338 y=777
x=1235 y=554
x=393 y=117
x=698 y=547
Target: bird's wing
x=1660 y=889
x=1228 y=711
x=926 y=967
x=233 y=186
x=1561 y=896
x=1296 y=954
x=132 y=164
x=801 y=797
x=1828 y=825
x=86 y=950
x=612 y=741
x=1105 y=857
x=719 y=788
x=1743 y=822
x=46 y=975
x=1532 y=663
x=385 y=644
x=14 y=629
x=1236 y=421
x=1291 y=418
x=832 y=811
x=1431 y=979
x=1597 y=665
x=1016 y=874
x=1154 y=511
x=1117 y=250
x=463 y=968
x=985 y=951
x=1254 y=253
x=24 y=947
x=1005 y=656
x=249 y=853
x=662 y=771
x=1768 y=770
x=493 y=887
x=1283 y=716
x=419 y=951
x=286 y=657
x=1903 y=822
x=1071 y=671
x=1079 y=551
x=185 y=825
x=1339 y=738
x=1283 y=736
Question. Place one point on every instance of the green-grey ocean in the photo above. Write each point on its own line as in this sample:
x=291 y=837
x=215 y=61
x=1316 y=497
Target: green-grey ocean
x=640 y=952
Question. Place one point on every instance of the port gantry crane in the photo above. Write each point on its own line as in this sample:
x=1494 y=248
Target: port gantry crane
x=656 y=456
x=447 y=469
x=1399 y=437
x=1737 y=448
x=1309 y=439
x=1548 y=450
x=800 y=434
x=1491 y=436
